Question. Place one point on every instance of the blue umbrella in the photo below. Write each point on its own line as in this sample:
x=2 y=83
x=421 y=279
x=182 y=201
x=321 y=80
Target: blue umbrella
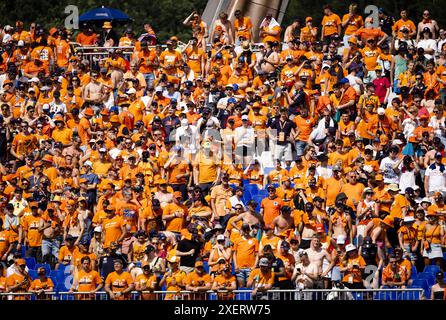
x=104 y=14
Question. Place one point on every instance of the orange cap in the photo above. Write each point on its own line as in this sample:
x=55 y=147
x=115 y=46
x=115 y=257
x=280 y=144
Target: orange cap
x=21 y=262
x=47 y=158
x=89 y=112
x=353 y=40
x=114 y=118
x=177 y=194
x=199 y=263
x=58 y=118
x=34 y=204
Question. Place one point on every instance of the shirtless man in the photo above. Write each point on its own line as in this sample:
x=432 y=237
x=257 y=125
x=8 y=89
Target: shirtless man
x=93 y=91
x=307 y=227
x=226 y=27
x=317 y=254
x=52 y=234
x=250 y=217
x=74 y=150
x=340 y=223
x=271 y=57
x=290 y=31
x=429 y=157
x=284 y=221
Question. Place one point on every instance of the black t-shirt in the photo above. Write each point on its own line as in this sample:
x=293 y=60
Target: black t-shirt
x=106 y=264
x=186 y=245
x=285 y=127
x=276 y=266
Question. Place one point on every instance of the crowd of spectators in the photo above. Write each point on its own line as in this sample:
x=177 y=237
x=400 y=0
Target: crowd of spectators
x=312 y=159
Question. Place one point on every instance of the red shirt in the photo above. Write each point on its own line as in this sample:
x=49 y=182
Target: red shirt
x=381 y=86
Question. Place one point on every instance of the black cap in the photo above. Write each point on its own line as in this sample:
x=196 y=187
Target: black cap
x=341 y=196
x=439 y=275
x=318 y=199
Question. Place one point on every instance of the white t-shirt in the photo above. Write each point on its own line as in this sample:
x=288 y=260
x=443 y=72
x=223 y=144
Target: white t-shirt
x=407 y=179
x=390 y=176
x=428 y=44
x=187 y=137
x=437 y=179
x=244 y=136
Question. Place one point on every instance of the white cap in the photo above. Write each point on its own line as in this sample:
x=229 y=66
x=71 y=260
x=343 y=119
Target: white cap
x=21 y=43
x=46 y=106
x=409 y=219
x=131 y=91
x=381 y=111
x=44 y=88
x=397 y=142
x=368 y=189
x=340 y=239
x=416 y=187
x=350 y=247
x=102 y=150
x=245 y=117
x=88 y=163
x=159 y=89
x=98 y=229
x=92 y=141
x=35 y=79
x=7 y=38
x=426 y=199
x=368 y=147
x=184 y=123
x=8 y=27
x=325 y=65
x=31 y=89
x=220 y=237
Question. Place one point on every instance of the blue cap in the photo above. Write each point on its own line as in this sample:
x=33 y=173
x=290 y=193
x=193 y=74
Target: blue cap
x=186 y=92
x=381 y=10
x=177 y=148
x=232 y=100
x=188 y=83
x=173 y=100
x=114 y=109
x=344 y=81
x=218 y=55
x=235 y=86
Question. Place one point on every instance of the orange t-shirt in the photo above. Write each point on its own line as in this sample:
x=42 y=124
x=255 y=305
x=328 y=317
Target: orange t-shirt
x=353 y=25
x=331 y=24
x=88 y=281
x=271 y=209
x=112 y=229
x=245 y=251
x=119 y=282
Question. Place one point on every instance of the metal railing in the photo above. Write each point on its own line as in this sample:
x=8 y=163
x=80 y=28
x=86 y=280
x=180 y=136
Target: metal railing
x=240 y=295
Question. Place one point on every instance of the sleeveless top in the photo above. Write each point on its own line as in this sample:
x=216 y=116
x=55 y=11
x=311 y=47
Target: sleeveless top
x=400 y=66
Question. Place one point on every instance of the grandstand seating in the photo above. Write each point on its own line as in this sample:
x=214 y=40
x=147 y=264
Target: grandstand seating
x=32 y=274
x=433 y=268
x=429 y=277
x=30 y=263
x=414 y=273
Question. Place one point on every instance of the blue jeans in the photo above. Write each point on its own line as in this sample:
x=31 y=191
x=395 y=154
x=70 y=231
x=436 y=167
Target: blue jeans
x=150 y=78
x=300 y=147
x=50 y=247
x=243 y=274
